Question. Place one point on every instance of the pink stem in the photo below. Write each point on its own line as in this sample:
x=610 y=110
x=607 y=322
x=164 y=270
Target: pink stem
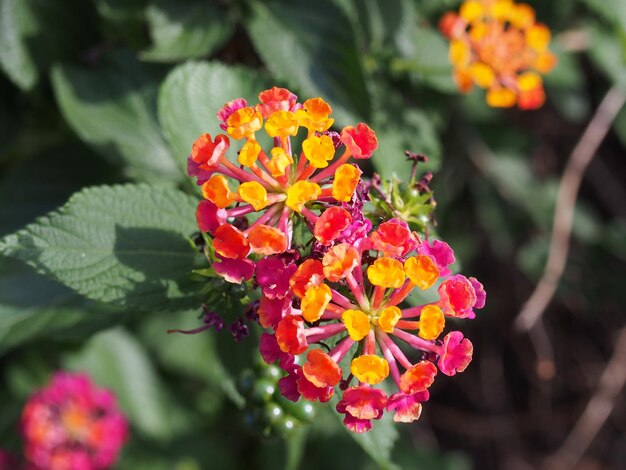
x=408 y=325
x=265 y=217
x=357 y=291
x=243 y=175
x=395 y=350
x=240 y=210
x=342 y=300
x=413 y=312
x=402 y=293
x=302 y=161
x=309 y=214
x=284 y=219
x=329 y=170
x=391 y=360
x=341 y=349
x=264 y=176
x=332 y=314
x=377 y=297
x=415 y=341
x=370 y=343
x=308 y=171
x=318 y=333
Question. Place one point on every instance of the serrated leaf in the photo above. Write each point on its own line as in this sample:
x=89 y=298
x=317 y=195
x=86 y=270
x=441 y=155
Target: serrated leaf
x=124 y=245
x=43 y=183
x=185 y=30
x=16 y=23
x=193 y=93
x=35 y=33
x=116 y=360
x=123 y=19
x=312 y=47
x=378 y=443
x=113 y=109
x=32 y=306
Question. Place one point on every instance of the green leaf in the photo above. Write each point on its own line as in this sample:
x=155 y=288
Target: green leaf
x=418 y=134
x=191 y=355
x=31 y=307
x=124 y=245
x=376 y=21
x=191 y=96
x=113 y=109
x=612 y=11
x=185 y=30
x=43 y=183
x=425 y=56
x=512 y=177
x=609 y=53
x=378 y=443
x=17 y=22
x=116 y=360
x=294 y=449
x=312 y=47
x=123 y=21
x=35 y=33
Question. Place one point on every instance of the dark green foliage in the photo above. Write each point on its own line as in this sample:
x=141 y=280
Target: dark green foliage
x=100 y=102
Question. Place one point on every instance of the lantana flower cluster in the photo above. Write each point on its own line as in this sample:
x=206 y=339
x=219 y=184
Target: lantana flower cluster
x=72 y=424
x=334 y=306
x=498 y=45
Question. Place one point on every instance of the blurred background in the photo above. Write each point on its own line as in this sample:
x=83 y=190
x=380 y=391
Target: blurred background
x=110 y=91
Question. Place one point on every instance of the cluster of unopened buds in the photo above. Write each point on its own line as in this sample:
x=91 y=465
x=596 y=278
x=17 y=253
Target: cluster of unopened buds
x=498 y=45
x=333 y=305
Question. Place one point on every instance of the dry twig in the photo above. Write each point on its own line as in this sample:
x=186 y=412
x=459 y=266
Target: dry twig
x=596 y=412
x=564 y=211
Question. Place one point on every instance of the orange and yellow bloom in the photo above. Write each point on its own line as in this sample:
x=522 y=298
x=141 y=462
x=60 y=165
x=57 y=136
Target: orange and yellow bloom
x=278 y=182
x=499 y=46
x=352 y=298
x=335 y=303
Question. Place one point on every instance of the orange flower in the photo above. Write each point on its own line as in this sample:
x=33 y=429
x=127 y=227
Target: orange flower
x=495 y=44
x=280 y=182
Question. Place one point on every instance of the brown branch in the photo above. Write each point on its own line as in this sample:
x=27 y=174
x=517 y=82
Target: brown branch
x=596 y=412
x=564 y=211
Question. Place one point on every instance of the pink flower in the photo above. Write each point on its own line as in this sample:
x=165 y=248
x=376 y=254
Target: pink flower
x=271 y=352
x=72 y=424
x=440 y=252
x=271 y=311
x=310 y=391
x=209 y=216
x=408 y=408
x=276 y=99
x=458 y=297
x=360 y=405
x=356 y=425
x=8 y=461
x=234 y=270
x=481 y=295
x=361 y=141
x=288 y=386
x=393 y=238
x=229 y=108
x=456 y=353
x=273 y=274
